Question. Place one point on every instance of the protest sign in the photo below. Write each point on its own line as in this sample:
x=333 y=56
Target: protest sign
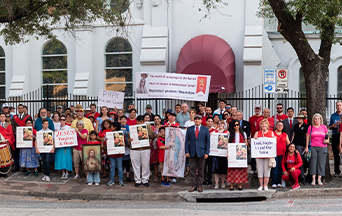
x=65 y=138
x=264 y=147
x=172 y=85
x=24 y=137
x=111 y=99
x=237 y=155
x=45 y=141
x=139 y=135
x=174 y=157
x=218 y=144
x=115 y=143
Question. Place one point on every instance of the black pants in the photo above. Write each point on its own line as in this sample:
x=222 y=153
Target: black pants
x=125 y=163
x=16 y=154
x=335 y=143
x=196 y=162
x=304 y=167
x=208 y=169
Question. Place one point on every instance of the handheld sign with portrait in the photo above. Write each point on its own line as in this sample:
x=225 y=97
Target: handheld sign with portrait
x=264 y=147
x=65 y=138
x=115 y=143
x=218 y=144
x=111 y=99
x=24 y=137
x=237 y=155
x=139 y=134
x=45 y=141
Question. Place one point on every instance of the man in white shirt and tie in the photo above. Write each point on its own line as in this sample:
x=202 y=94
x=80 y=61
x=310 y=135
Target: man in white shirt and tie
x=222 y=107
x=289 y=123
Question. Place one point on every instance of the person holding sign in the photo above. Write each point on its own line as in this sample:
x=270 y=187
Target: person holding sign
x=237 y=175
x=28 y=156
x=132 y=120
x=291 y=164
x=103 y=116
x=101 y=137
x=262 y=163
x=82 y=135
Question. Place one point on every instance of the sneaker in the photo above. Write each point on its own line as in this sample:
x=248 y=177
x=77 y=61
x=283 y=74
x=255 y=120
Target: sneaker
x=313 y=183
x=47 y=179
x=128 y=179
x=163 y=184
x=97 y=184
x=36 y=173
x=223 y=186
x=44 y=178
x=278 y=185
x=27 y=173
x=266 y=188
x=90 y=183
x=63 y=176
x=167 y=184
x=320 y=183
x=251 y=172
x=260 y=188
x=76 y=177
x=174 y=180
x=121 y=183
x=297 y=186
x=216 y=186
x=336 y=174
x=66 y=176
x=110 y=183
x=274 y=185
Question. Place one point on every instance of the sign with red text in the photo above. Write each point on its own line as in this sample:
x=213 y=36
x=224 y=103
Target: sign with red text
x=139 y=134
x=218 y=144
x=45 y=141
x=115 y=143
x=237 y=155
x=65 y=138
x=24 y=137
x=172 y=85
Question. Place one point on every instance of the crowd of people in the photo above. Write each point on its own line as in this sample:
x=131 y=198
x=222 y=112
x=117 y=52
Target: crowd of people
x=296 y=138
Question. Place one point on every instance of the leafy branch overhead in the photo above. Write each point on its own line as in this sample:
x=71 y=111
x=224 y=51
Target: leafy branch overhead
x=22 y=18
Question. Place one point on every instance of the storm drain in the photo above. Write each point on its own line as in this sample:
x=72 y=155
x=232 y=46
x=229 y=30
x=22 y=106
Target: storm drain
x=231 y=199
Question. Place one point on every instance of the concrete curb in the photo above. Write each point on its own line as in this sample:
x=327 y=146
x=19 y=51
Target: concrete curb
x=311 y=192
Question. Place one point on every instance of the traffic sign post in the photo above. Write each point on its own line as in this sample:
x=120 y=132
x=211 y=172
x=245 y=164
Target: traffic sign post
x=282 y=84
x=270 y=80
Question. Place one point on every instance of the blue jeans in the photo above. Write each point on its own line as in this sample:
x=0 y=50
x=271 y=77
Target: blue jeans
x=277 y=172
x=94 y=177
x=116 y=162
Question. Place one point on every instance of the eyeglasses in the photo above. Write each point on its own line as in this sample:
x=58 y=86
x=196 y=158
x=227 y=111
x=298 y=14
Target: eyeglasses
x=62 y=119
x=236 y=125
x=8 y=116
x=279 y=107
x=229 y=107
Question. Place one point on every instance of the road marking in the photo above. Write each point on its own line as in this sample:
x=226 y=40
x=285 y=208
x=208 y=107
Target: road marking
x=289 y=203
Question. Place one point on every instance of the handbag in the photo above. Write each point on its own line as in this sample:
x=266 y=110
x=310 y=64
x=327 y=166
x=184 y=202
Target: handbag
x=272 y=163
x=307 y=156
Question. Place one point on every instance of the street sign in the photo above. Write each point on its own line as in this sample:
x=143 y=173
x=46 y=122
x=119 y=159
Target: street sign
x=270 y=80
x=282 y=84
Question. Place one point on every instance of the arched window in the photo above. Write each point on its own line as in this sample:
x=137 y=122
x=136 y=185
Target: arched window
x=2 y=74
x=55 y=70
x=339 y=80
x=118 y=66
x=119 y=5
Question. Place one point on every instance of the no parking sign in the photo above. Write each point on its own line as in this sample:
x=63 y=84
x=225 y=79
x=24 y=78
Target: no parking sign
x=282 y=85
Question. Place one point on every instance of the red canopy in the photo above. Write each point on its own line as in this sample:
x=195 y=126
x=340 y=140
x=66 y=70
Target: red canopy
x=209 y=55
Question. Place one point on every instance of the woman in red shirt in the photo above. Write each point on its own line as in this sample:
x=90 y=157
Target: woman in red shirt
x=100 y=137
x=132 y=120
x=291 y=163
x=282 y=142
x=220 y=163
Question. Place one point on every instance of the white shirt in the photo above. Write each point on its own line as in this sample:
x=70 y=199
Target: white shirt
x=189 y=123
x=237 y=137
x=219 y=111
x=199 y=128
x=57 y=125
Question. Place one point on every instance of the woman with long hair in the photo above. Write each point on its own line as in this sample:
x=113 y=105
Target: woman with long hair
x=291 y=163
x=103 y=116
x=105 y=127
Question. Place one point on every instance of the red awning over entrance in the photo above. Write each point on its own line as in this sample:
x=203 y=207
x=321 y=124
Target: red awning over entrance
x=209 y=55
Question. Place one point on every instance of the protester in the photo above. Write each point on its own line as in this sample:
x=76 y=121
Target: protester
x=191 y=121
x=63 y=155
x=334 y=125
x=5 y=109
x=154 y=158
x=216 y=118
x=72 y=109
x=112 y=115
x=253 y=122
x=262 y=163
x=208 y=165
x=46 y=157
x=132 y=120
x=222 y=108
x=148 y=110
x=126 y=158
x=82 y=134
x=119 y=114
x=93 y=177
x=6 y=136
x=290 y=164
x=43 y=115
x=171 y=120
x=219 y=168
x=318 y=134
x=162 y=149
x=92 y=111
x=60 y=110
x=80 y=117
x=289 y=123
x=69 y=119
x=56 y=122
x=201 y=109
x=282 y=142
x=280 y=115
x=105 y=127
x=245 y=126
x=305 y=114
x=183 y=116
x=237 y=175
x=28 y=156
x=177 y=109
x=102 y=116
x=207 y=114
x=299 y=139
x=266 y=115
x=197 y=145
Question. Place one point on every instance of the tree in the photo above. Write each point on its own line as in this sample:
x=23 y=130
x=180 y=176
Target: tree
x=39 y=18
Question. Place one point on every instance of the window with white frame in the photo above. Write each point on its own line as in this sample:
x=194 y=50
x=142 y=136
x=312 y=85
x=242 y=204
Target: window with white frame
x=119 y=66
x=54 y=70
x=2 y=74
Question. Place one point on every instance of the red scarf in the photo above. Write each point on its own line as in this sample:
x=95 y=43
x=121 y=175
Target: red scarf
x=8 y=135
x=19 y=121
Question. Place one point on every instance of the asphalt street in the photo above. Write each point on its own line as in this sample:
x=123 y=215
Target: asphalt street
x=26 y=205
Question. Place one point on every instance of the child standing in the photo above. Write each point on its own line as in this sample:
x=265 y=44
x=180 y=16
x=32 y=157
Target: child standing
x=93 y=177
x=162 y=147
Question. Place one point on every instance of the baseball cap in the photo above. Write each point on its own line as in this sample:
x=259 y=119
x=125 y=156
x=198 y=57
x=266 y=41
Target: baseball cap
x=5 y=105
x=257 y=106
x=87 y=109
x=148 y=106
x=172 y=113
x=198 y=116
x=59 y=106
x=169 y=111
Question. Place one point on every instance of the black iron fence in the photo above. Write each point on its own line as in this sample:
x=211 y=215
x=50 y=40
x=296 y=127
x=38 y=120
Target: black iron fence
x=244 y=100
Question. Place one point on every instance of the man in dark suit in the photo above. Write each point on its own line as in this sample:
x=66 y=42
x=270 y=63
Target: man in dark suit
x=246 y=127
x=289 y=123
x=197 y=145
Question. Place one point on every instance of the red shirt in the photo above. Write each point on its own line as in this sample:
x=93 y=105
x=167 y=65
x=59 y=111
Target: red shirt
x=212 y=130
x=93 y=142
x=175 y=124
x=269 y=134
x=281 y=143
x=282 y=117
x=131 y=122
x=253 y=121
x=91 y=114
x=81 y=141
x=291 y=161
x=161 y=142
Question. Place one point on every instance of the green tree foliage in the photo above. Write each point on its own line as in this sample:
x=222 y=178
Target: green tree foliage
x=38 y=18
